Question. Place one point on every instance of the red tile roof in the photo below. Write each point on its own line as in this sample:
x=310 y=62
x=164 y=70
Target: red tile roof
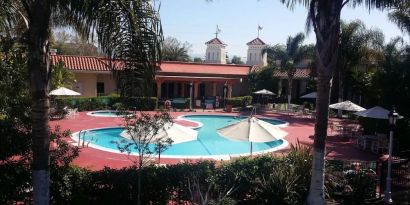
x=256 y=41
x=92 y=63
x=89 y=63
x=301 y=73
x=215 y=41
x=203 y=68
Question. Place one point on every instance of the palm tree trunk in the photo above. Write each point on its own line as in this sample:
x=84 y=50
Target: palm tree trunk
x=341 y=91
x=39 y=75
x=290 y=81
x=325 y=17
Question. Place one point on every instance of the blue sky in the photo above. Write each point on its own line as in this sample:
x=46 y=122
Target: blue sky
x=195 y=21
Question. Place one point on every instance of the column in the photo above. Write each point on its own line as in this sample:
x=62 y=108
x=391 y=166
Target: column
x=280 y=87
x=213 y=88
x=229 y=90
x=183 y=89
x=159 y=83
x=175 y=90
x=196 y=90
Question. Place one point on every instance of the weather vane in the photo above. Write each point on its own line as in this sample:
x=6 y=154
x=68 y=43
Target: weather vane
x=218 y=30
x=259 y=29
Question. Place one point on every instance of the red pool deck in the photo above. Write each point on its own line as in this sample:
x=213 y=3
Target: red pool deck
x=299 y=129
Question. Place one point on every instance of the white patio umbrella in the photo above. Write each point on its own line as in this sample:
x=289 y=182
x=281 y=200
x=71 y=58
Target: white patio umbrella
x=347 y=106
x=376 y=112
x=176 y=132
x=64 y=91
x=264 y=92
x=252 y=130
x=309 y=95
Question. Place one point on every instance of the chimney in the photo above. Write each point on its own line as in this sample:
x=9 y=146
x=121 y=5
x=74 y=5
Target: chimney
x=53 y=51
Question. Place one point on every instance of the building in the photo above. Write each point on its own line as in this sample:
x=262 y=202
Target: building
x=174 y=79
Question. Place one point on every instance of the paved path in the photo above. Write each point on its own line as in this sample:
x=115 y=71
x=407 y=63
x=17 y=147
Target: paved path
x=299 y=129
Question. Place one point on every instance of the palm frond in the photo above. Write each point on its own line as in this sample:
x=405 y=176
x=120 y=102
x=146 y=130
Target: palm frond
x=401 y=16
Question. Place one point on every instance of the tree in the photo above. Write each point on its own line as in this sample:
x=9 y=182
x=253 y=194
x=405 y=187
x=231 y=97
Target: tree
x=290 y=56
x=174 y=50
x=357 y=45
x=67 y=44
x=127 y=29
x=237 y=60
x=142 y=131
x=61 y=76
x=263 y=79
x=324 y=18
x=198 y=60
x=401 y=16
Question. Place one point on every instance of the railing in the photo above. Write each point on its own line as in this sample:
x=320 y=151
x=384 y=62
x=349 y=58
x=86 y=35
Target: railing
x=400 y=174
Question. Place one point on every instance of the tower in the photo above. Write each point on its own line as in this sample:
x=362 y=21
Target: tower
x=255 y=54
x=215 y=51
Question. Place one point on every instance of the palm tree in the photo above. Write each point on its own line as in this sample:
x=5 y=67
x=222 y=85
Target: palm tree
x=324 y=18
x=401 y=16
x=126 y=29
x=173 y=50
x=290 y=56
x=357 y=45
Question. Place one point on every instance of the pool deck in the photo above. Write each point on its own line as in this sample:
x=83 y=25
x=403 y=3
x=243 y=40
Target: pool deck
x=299 y=129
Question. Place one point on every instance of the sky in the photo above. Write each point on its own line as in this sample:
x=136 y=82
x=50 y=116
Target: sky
x=194 y=21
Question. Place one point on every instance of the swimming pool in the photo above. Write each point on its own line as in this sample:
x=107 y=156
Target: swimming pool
x=208 y=145
x=108 y=113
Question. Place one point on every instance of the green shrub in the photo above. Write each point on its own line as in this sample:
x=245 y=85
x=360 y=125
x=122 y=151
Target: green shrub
x=108 y=102
x=239 y=101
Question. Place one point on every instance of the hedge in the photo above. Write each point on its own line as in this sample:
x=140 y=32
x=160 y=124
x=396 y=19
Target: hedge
x=107 y=102
x=239 y=101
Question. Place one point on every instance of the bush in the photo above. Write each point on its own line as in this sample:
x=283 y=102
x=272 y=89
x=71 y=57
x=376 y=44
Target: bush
x=239 y=101
x=107 y=102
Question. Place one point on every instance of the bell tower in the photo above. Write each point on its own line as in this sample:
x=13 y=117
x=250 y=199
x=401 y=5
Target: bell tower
x=255 y=55
x=215 y=50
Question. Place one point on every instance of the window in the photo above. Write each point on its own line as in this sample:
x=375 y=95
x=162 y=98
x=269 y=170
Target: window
x=100 y=89
x=209 y=56
x=250 y=56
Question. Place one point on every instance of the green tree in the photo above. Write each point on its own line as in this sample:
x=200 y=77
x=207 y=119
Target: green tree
x=174 y=50
x=289 y=56
x=324 y=18
x=68 y=44
x=401 y=16
x=198 y=60
x=236 y=60
x=126 y=29
x=61 y=76
x=357 y=46
x=263 y=79
x=142 y=130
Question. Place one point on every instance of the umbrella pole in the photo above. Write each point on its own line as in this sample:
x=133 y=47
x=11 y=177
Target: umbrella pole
x=251 y=149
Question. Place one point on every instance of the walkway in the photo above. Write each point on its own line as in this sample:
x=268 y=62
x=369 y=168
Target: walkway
x=299 y=129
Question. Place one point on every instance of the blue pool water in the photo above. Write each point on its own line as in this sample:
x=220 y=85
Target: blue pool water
x=209 y=143
x=107 y=113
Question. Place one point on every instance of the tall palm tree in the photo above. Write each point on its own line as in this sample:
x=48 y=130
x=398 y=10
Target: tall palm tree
x=174 y=50
x=289 y=56
x=401 y=16
x=324 y=18
x=126 y=29
x=357 y=45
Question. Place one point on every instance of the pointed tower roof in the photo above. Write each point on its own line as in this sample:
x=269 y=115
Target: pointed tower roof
x=256 y=41
x=215 y=41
